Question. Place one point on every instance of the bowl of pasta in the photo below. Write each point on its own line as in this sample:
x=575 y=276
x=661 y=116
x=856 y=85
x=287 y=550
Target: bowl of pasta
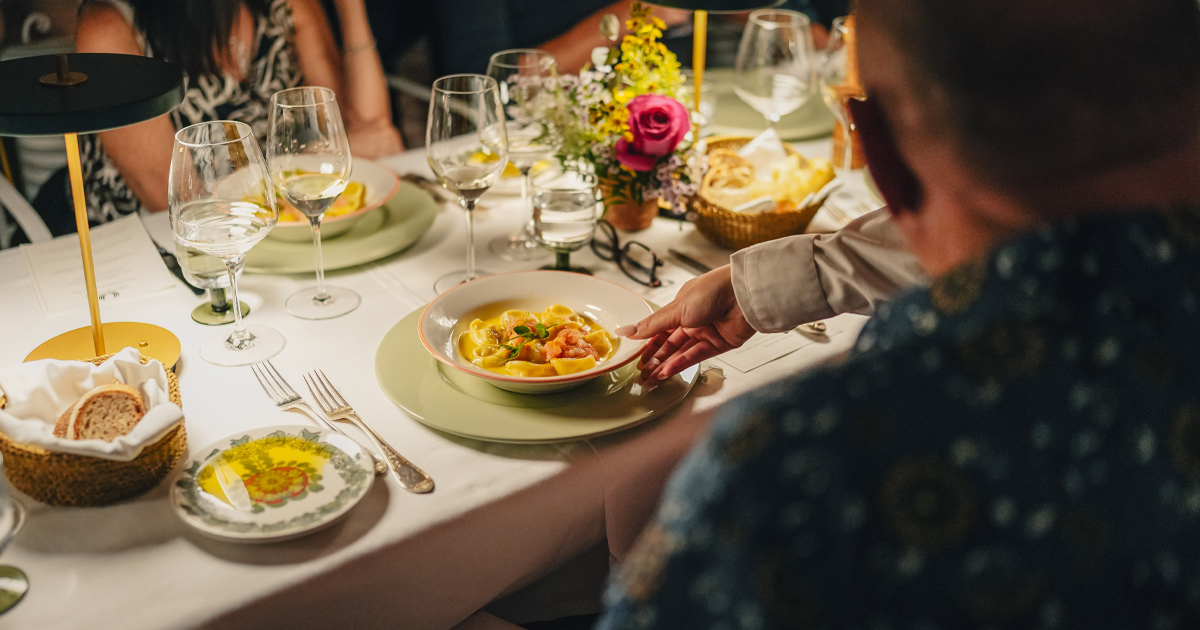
x=533 y=332
x=369 y=187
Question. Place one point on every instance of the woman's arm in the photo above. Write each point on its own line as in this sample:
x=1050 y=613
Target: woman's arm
x=141 y=152
x=573 y=49
x=355 y=75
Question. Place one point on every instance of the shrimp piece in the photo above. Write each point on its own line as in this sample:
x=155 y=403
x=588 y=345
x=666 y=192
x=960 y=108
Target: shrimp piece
x=570 y=344
x=529 y=323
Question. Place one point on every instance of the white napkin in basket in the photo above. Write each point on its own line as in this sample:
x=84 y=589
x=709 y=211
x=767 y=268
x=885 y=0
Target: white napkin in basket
x=39 y=391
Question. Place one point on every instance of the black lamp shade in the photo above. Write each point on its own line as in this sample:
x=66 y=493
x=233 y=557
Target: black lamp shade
x=717 y=6
x=119 y=90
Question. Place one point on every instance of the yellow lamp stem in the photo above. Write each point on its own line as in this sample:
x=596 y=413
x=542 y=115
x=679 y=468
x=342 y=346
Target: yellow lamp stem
x=699 y=37
x=85 y=240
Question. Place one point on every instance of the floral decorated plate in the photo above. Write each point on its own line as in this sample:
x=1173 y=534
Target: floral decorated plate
x=272 y=484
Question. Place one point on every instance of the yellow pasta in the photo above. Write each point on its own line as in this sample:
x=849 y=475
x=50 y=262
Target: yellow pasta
x=554 y=342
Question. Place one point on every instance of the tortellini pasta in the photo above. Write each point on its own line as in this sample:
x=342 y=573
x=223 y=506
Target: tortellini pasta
x=555 y=342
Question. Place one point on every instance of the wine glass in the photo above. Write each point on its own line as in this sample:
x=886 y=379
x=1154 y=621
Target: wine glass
x=13 y=583
x=837 y=86
x=565 y=210
x=309 y=156
x=775 y=63
x=522 y=76
x=208 y=272
x=222 y=204
x=467 y=148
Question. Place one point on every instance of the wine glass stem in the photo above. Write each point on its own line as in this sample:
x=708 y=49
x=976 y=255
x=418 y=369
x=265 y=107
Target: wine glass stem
x=562 y=259
x=527 y=231
x=241 y=338
x=771 y=121
x=322 y=295
x=469 y=205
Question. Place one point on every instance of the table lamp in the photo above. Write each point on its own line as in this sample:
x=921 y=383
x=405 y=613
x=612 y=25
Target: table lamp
x=86 y=93
x=700 y=30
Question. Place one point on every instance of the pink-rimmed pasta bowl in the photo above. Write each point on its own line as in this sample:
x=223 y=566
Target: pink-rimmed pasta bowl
x=608 y=304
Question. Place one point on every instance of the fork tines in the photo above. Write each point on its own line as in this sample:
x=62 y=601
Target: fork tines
x=273 y=382
x=326 y=394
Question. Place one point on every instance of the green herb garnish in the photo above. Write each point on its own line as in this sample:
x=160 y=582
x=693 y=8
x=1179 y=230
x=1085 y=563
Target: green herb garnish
x=524 y=335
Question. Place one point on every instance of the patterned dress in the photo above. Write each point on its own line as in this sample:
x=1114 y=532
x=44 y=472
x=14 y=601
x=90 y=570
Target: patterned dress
x=1017 y=446
x=275 y=67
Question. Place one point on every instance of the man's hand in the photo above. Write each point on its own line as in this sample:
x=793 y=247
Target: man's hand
x=703 y=320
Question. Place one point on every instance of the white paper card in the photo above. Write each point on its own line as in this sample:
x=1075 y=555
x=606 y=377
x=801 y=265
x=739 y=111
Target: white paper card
x=127 y=265
x=763 y=349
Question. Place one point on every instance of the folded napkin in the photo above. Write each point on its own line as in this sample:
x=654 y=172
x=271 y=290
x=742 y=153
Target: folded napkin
x=764 y=152
x=38 y=392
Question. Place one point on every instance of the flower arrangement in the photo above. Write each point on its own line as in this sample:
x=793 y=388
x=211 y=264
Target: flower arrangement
x=621 y=119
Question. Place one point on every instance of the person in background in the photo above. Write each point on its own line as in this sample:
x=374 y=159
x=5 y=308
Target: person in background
x=1018 y=444
x=235 y=54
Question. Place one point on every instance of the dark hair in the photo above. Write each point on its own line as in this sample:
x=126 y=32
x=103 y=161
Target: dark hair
x=1044 y=89
x=189 y=33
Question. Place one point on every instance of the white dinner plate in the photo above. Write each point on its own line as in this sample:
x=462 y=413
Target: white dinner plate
x=297 y=480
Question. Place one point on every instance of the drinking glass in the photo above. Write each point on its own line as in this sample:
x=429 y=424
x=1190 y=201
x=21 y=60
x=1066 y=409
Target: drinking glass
x=13 y=583
x=208 y=272
x=775 y=65
x=837 y=86
x=522 y=76
x=467 y=148
x=309 y=156
x=566 y=207
x=222 y=204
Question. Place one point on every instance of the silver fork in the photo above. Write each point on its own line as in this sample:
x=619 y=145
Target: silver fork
x=287 y=399
x=836 y=213
x=331 y=402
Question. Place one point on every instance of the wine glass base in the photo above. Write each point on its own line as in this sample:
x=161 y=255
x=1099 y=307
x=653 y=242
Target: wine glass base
x=267 y=343
x=13 y=587
x=303 y=304
x=453 y=279
x=204 y=314
x=517 y=248
x=583 y=270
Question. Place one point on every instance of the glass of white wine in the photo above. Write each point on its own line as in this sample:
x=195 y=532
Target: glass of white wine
x=466 y=121
x=222 y=204
x=309 y=156
x=522 y=76
x=776 y=63
x=837 y=87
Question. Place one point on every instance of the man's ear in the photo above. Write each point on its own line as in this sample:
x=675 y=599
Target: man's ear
x=896 y=182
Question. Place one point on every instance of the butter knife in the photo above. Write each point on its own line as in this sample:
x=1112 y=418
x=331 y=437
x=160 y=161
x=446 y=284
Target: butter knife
x=689 y=263
x=172 y=264
x=233 y=486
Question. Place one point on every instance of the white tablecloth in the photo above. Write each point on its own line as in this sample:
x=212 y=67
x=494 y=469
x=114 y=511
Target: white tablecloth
x=501 y=517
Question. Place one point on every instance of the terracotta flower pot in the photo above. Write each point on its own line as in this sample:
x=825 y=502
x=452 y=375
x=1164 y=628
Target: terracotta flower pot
x=627 y=215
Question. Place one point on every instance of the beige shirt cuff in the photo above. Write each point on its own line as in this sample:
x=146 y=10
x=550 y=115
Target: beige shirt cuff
x=783 y=283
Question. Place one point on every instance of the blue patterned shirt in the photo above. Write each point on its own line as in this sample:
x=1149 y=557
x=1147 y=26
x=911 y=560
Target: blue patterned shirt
x=1017 y=446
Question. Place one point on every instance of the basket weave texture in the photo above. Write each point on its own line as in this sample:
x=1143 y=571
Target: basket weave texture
x=736 y=230
x=81 y=481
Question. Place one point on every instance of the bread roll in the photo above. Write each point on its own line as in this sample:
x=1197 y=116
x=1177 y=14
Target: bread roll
x=103 y=413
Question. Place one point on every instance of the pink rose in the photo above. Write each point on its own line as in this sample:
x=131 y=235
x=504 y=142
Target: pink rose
x=658 y=124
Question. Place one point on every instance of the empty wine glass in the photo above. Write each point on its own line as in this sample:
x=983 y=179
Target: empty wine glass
x=309 y=157
x=467 y=148
x=565 y=210
x=208 y=272
x=837 y=86
x=523 y=76
x=775 y=63
x=13 y=583
x=222 y=204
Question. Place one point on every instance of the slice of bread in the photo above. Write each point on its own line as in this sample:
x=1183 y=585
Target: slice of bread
x=103 y=413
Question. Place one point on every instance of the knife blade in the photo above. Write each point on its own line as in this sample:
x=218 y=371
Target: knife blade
x=689 y=263
x=233 y=486
x=172 y=264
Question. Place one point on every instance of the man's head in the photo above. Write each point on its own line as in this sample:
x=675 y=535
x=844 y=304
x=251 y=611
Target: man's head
x=1014 y=111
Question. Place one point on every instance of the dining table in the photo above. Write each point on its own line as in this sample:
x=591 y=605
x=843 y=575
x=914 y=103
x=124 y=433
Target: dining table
x=513 y=533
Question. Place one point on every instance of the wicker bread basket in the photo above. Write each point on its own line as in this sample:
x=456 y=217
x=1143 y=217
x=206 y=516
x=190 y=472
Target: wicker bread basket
x=736 y=230
x=80 y=481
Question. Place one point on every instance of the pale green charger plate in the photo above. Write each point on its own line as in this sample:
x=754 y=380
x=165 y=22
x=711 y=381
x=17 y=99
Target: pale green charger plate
x=734 y=117
x=464 y=405
x=397 y=224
